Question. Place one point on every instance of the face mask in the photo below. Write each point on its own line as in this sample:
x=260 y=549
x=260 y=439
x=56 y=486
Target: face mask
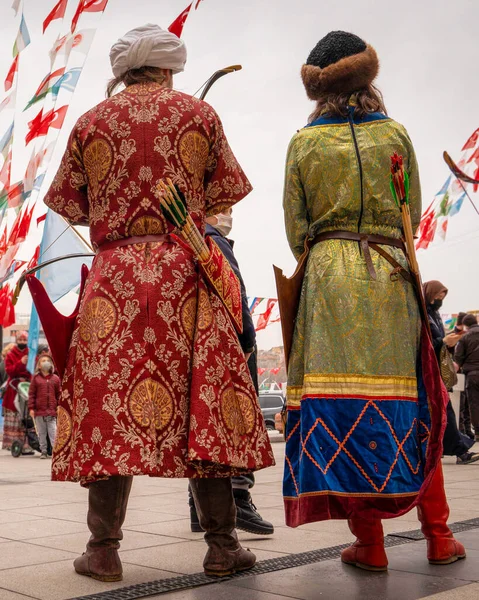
x=437 y=304
x=21 y=346
x=225 y=224
x=46 y=365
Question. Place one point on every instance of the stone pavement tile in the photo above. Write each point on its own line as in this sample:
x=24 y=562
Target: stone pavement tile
x=465 y=592
x=8 y=516
x=19 y=554
x=179 y=528
x=22 y=501
x=465 y=503
x=470 y=539
x=157 y=501
x=57 y=581
x=76 y=542
x=183 y=557
x=221 y=591
x=290 y=541
x=462 y=515
x=412 y=558
x=7 y=595
x=39 y=528
x=180 y=509
x=330 y=580
x=77 y=511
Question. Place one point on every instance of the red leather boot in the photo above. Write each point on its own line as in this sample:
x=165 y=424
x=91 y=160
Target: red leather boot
x=367 y=552
x=433 y=512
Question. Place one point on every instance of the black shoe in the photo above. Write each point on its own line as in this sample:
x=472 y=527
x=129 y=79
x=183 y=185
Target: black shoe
x=247 y=517
x=470 y=434
x=467 y=458
x=194 y=521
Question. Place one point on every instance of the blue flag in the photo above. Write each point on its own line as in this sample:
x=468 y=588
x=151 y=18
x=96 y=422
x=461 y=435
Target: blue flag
x=456 y=207
x=61 y=277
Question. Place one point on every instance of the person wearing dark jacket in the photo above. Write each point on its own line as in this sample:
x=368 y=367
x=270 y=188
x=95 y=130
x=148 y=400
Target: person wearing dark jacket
x=43 y=397
x=467 y=357
x=248 y=518
x=455 y=443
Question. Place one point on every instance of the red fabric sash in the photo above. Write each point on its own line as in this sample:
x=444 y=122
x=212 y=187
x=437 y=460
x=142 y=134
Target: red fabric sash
x=58 y=328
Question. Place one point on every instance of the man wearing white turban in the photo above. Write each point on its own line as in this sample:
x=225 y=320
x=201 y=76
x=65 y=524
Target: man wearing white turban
x=155 y=382
x=148 y=46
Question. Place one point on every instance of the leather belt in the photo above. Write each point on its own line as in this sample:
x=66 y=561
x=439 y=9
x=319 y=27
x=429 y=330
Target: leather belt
x=367 y=241
x=136 y=239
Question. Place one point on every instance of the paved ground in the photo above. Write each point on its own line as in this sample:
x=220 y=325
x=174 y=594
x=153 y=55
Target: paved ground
x=42 y=529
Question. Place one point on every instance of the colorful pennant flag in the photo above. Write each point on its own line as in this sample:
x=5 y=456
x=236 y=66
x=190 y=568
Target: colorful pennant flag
x=58 y=12
x=16 y=6
x=7 y=310
x=7 y=138
x=11 y=74
x=177 y=26
x=45 y=86
x=41 y=124
x=87 y=6
x=68 y=81
x=450 y=198
x=23 y=38
x=264 y=318
x=80 y=41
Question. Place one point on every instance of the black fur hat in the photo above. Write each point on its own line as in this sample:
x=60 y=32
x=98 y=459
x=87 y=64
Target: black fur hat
x=340 y=62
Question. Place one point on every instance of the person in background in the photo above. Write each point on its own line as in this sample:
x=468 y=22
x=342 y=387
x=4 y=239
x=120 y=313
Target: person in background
x=218 y=227
x=451 y=340
x=43 y=398
x=455 y=443
x=466 y=356
x=16 y=368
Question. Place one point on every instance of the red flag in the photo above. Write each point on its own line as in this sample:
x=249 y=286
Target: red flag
x=197 y=4
x=41 y=123
x=427 y=230
x=177 y=26
x=472 y=141
x=275 y=371
x=43 y=87
x=41 y=219
x=7 y=311
x=58 y=12
x=261 y=371
x=15 y=195
x=24 y=226
x=34 y=260
x=87 y=6
x=6 y=170
x=3 y=243
x=11 y=73
x=264 y=318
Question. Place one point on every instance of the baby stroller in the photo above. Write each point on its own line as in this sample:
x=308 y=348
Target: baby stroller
x=30 y=433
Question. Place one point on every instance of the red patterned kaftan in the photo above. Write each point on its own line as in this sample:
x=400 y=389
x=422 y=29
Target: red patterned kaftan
x=156 y=382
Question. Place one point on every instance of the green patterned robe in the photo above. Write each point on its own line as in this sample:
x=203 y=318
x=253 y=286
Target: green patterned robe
x=352 y=382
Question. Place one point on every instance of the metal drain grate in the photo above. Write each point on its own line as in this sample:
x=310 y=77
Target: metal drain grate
x=183 y=582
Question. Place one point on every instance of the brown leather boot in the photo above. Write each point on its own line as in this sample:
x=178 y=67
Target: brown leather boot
x=217 y=515
x=367 y=552
x=433 y=512
x=107 y=502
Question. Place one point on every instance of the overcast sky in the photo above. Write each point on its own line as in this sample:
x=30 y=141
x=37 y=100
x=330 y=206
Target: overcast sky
x=429 y=54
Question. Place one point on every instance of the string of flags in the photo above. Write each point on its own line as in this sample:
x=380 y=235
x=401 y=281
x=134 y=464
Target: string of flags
x=265 y=312
x=450 y=198
x=50 y=102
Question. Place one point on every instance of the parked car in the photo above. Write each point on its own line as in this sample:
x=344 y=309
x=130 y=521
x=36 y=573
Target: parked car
x=270 y=405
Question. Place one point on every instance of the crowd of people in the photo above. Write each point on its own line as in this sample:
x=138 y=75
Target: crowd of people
x=156 y=380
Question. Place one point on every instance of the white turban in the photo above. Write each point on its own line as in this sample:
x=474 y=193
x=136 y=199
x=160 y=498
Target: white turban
x=151 y=46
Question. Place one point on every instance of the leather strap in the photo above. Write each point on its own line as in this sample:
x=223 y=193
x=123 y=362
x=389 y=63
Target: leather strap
x=136 y=239
x=367 y=241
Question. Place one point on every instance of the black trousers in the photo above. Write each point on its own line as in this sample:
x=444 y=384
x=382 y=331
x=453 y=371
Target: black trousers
x=472 y=391
x=455 y=443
